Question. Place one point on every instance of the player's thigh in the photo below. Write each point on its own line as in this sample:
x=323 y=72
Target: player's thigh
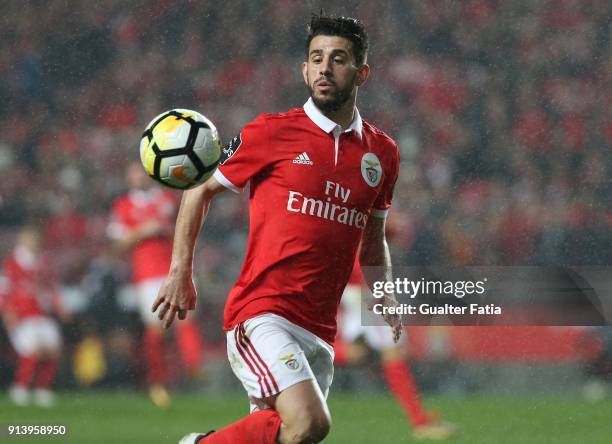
x=49 y=338
x=320 y=356
x=23 y=337
x=266 y=359
x=303 y=412
x=146 y=293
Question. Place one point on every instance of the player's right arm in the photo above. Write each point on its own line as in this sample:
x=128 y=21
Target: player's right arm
x=246 y=155
x=177 y=294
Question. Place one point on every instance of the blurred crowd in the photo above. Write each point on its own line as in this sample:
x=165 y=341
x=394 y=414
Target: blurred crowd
x=502 y=111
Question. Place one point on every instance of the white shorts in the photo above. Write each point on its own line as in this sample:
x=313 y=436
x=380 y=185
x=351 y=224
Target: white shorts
x=146 y=293
x=269 y=354
x=35 y=333
x=351 y=327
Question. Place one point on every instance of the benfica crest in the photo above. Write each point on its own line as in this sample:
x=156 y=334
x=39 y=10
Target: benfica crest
x=290 y=361
x=371 y=170
x=372 y=174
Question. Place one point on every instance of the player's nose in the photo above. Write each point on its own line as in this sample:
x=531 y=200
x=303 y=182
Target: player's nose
x=325 y=67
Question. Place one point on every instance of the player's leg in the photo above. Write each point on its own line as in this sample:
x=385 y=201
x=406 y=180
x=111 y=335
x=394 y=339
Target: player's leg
x=300 y=415
x=401 y=383
x=403 y=386
x=50 y=346
x=303 y=407
x=22 y=339
x=287 y=403
x=153 y=342
x=190 y=345
x=397 y=373
x=304 y=414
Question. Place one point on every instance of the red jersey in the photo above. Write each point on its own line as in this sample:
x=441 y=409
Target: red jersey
x=150 y=256
x=29 y=285
x=312 y=189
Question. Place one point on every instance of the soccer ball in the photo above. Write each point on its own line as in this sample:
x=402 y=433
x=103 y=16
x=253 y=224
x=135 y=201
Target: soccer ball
x=180 y=148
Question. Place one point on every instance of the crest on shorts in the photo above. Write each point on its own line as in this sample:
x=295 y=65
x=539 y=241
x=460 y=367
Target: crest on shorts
x=371 y=170
x=290 y=361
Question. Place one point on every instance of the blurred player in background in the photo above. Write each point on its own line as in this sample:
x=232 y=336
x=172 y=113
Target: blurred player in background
x=321 y=180
x=355 y=338
x=141 y=223
x=29 y=297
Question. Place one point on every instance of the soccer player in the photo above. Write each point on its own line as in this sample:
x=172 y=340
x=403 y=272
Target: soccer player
x=321 y=181
x=141 y=223
x=28 y=298
x=396 y=371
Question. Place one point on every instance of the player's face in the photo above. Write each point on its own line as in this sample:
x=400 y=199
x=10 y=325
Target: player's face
x=331 y=72
x=30 y=239
x=136 y=178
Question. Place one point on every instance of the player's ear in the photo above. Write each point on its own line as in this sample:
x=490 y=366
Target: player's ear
x=363 y=72
x=305 y=72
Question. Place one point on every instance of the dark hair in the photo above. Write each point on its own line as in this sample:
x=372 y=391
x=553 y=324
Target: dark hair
x=346 y=27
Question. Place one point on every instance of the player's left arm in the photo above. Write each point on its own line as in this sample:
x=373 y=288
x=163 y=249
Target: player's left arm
x=375 y=262
x=374 y=257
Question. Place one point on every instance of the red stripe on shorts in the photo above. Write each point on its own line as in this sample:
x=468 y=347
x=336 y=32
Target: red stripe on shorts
x=250 y=344
x=243 y=343
x=248 y=362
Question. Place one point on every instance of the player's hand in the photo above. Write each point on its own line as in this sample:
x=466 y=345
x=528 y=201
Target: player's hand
x=394 y=320
x=176 y=296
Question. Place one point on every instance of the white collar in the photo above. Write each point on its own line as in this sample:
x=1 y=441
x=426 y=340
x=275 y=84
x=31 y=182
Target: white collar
x=142 y=197
x=329 y=125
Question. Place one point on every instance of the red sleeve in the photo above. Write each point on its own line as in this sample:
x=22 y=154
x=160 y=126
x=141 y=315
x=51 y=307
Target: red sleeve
x=383 y=201
x=246 y=155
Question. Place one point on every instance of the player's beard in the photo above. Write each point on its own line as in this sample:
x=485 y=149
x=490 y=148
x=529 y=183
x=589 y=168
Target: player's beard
x=334 y=101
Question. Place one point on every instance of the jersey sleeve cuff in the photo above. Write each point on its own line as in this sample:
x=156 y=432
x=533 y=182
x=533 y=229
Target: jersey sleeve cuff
x=226 y=182
x=379 y=213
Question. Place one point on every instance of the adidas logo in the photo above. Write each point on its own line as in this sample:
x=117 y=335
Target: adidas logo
x=303 y=159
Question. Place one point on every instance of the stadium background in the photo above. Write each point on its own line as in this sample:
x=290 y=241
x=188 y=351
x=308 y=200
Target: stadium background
x=503 y=115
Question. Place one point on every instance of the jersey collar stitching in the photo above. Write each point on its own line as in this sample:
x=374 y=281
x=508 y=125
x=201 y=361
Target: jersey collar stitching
x=329 y=125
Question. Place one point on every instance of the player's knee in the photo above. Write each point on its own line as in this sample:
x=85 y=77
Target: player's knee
x=312 y=426
x=317 y=426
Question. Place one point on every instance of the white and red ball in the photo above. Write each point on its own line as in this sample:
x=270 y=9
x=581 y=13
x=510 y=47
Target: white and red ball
x=180 y=148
